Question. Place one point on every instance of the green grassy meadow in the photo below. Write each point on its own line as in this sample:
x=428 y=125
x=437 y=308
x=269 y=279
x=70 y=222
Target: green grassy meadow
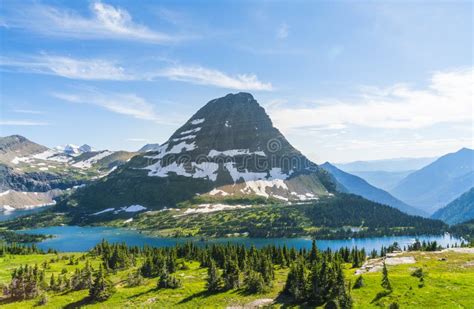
x=449 y=283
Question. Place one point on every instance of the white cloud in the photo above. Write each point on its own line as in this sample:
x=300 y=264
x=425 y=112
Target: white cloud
x=125 y=104
x=22 y=123
x=85 y=69
x=101 y=69
x=205 y=76
x=105 y=22
x=283 y=31
x=447 y=99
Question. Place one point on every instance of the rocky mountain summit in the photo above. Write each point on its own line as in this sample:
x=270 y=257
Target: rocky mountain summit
x=228 y=150
x=32 y=174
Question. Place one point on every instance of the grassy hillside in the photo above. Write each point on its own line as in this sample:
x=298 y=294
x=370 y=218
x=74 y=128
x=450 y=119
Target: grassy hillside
x=335 y=217
x=449 y=283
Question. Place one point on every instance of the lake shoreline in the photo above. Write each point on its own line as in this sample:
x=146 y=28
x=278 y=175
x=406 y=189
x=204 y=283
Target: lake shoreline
x=79 y=238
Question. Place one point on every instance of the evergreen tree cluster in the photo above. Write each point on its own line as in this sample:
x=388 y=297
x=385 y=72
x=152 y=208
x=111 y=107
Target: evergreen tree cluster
x=20 y=249
x=25 y=283
x=424 y=246
x=318 y=278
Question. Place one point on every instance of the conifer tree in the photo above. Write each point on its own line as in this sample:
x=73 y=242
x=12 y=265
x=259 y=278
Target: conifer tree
x=102 y=288
x=385 y=281
x=213 y=278
x=231 y=275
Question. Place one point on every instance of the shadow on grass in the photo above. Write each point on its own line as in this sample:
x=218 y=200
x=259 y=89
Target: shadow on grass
x=78 y=304
x=143 y=293
x=5 y=301
x=286 y=301
x=380 y=295
x=198 y=295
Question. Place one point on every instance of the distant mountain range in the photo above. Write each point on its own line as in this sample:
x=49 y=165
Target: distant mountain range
x=438 y=183
x=382 y=179
x=386 y=165
x=458 y=211
x=356 y=185
x=150 y=147
x=38 y=172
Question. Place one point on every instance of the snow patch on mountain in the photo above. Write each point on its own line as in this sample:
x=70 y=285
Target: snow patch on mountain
x=103 y=211
x=207 y=208
x=179 y=139
x=195 y=130
x=175 y=149
x=259 y=187
x=218 y=192
x=197 y=121
x=234 y=152
x=89 y=162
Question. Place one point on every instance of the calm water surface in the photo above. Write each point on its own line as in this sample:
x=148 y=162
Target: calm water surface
x=75 y=238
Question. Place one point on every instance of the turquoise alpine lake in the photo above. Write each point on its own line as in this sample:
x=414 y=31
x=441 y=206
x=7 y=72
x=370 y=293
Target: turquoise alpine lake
x=77 y=238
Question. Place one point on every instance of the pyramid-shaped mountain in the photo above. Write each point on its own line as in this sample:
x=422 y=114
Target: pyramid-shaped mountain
x=228 y=150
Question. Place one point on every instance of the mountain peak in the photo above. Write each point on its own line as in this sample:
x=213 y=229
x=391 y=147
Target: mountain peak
x=228 y=149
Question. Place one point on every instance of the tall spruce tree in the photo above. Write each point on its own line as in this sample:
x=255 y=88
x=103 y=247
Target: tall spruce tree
x=385 y=280
x=213 y=278
x=102 y=288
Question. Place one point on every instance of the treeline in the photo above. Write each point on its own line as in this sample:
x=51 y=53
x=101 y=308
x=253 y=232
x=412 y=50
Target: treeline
x=13 y=237
x=464 y=230
x=237 y=267
x=21 y=249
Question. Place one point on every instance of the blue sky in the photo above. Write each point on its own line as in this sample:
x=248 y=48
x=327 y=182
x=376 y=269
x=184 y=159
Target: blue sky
x=343 y=80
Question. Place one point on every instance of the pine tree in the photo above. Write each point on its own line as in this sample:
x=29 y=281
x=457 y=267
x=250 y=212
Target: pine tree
x=231 y=275
x=213 y=278
x=314 y=252
x=254 y=282
x=296 y=282
x=52 y=282
x=385 y=281
x=102 y=288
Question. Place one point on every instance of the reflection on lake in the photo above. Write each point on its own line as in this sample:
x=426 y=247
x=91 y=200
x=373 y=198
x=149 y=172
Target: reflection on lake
x=75 y=238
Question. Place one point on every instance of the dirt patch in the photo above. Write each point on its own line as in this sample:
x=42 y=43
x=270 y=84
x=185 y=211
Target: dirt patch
x=258 y=303
x=460 y=250
x=376 y=265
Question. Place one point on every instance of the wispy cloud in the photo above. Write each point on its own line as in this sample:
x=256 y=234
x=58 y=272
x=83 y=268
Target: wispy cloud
x=28 y=111
x=205 y=76
x=283 y=31
x=85 y=69
x=447 y=99
x=104 y=22
x=125 y=104
x=22 y=123
x=101 y=69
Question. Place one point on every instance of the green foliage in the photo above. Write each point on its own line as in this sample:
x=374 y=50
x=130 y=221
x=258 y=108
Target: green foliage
x=385 y=280
x=24 y=283
x=102 y=288
x=213 y=278
x=327 y=218
x=43 y=300
x=456 y=285
x=134 y=279
x=231 y=275
x=254 y=282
